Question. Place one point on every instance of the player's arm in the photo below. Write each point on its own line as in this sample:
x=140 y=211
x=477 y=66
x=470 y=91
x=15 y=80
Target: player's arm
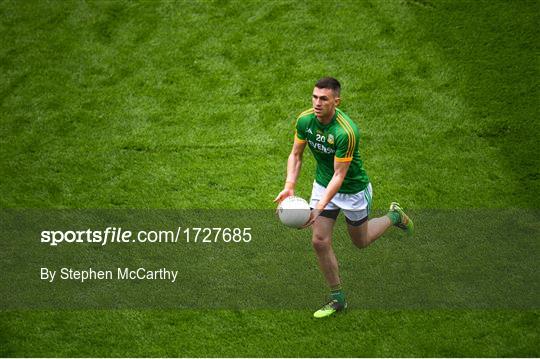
x=294 y=164
x=340 y=170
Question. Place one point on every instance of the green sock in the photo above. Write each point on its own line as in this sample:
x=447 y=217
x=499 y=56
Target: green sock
x=337 y=294
x=394 y=216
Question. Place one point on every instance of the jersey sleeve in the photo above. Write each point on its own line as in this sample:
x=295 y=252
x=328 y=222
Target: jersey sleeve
x=300 y=130
x=346 y=143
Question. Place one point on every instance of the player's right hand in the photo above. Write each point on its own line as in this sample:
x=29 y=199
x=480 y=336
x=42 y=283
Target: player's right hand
x=284 y=194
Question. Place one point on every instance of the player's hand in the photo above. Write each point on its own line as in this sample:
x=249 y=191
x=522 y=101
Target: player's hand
x=315 y=213
x=284 y=194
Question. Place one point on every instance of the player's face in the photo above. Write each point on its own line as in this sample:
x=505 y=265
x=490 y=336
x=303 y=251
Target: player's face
x=324 y=103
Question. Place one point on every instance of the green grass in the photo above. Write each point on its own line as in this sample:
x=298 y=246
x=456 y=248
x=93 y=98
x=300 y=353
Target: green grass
x=117 y=104
x=281 y=333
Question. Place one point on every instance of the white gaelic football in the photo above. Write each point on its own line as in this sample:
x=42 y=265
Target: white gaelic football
x=294 y=211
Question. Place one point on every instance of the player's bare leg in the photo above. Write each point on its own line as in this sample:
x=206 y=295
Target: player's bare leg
x=322 y=244
x=366 y=233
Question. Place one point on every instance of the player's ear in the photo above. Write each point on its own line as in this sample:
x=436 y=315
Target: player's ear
x=337 y=101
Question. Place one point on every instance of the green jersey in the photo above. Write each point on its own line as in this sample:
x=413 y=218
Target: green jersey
x=336 y=141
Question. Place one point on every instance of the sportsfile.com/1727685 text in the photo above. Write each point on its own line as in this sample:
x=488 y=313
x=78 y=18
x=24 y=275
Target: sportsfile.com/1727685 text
x=119 y=235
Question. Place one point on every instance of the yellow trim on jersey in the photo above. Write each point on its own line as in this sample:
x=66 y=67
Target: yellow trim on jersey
x=339 y=120
x=344 y=159
x=350 y=134
x=298 y=140
x=306 y=112
x=353 y=136
x=347 y=127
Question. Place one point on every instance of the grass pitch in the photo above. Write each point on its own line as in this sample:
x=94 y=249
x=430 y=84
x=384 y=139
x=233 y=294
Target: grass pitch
x=191 y=105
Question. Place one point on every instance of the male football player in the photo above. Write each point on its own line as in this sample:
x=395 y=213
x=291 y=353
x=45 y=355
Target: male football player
x=341 y=183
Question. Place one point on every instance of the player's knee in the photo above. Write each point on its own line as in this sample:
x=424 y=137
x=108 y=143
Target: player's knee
x=360 y=241
x=359 y=237
x=320 y=243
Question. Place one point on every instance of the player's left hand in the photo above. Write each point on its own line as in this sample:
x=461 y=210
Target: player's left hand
x=315 y=213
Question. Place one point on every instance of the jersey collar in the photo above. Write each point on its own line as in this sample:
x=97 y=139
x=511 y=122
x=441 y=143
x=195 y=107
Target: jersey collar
x=319 y=124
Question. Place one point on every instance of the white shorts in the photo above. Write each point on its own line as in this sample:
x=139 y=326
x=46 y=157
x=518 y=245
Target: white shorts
x=355 y=206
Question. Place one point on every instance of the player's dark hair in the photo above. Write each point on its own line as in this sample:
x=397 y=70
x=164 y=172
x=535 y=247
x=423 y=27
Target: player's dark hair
x=329 y=83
